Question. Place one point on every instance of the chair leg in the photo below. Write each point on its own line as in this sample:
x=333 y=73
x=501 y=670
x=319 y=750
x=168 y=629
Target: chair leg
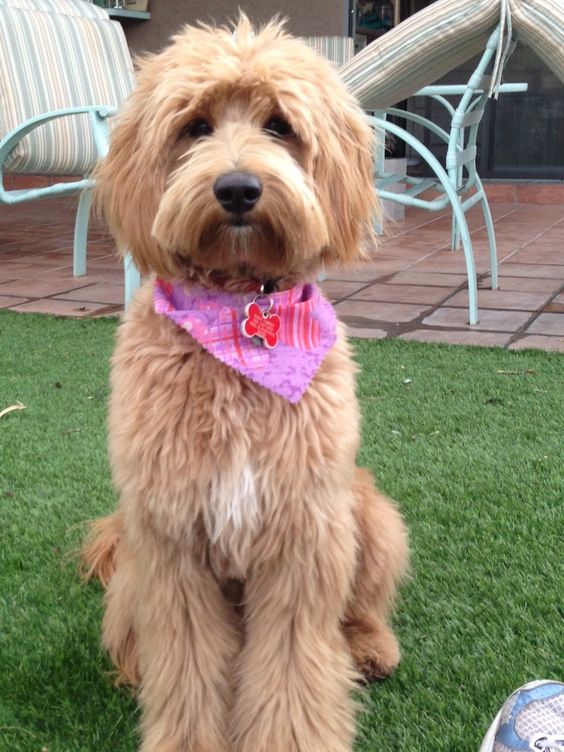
x=455 y=232
x=379 y=157
x=454 y=235
x=132 y=278
x=460 y=218
x=491 y=235
x=81 y=233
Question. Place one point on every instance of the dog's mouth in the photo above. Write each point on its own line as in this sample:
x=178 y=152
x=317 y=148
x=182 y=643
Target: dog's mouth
x=239 y=222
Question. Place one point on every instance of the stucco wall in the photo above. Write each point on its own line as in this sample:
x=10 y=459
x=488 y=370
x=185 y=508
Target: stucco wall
x=312 y=17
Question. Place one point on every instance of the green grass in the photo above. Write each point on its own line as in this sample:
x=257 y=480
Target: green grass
x=472 y=449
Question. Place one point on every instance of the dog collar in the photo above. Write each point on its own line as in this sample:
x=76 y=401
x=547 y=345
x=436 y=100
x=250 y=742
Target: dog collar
x=282 y=355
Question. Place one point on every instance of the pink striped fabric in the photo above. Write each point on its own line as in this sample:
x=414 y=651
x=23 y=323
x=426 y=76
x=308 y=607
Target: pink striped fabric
x=215 y=318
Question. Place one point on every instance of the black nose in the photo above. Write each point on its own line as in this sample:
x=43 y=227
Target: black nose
x=237 y=192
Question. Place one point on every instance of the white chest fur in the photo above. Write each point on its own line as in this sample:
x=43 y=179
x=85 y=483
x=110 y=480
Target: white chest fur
x=231 y=513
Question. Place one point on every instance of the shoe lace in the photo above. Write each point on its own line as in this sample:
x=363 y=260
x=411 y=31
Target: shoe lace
x=548 y=744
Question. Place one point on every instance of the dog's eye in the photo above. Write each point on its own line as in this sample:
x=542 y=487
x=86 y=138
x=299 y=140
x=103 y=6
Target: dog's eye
x=197 y=129
x=278 y=127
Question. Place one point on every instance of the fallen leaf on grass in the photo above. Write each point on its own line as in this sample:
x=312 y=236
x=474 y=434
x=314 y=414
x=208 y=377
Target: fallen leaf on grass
x=526 y=372
x=17 y=406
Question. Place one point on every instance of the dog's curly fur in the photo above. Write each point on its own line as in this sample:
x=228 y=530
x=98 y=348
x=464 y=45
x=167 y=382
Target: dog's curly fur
x=243 y=633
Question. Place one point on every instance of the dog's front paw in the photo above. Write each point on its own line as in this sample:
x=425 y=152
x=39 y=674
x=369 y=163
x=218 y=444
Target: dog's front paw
x=374 y=649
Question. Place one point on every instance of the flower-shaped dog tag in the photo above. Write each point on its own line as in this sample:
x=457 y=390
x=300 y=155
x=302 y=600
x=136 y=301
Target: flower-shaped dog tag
x=260 y=323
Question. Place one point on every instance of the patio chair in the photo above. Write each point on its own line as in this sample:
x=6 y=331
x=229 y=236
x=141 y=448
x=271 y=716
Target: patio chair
x=64 y=70
x=457 y=180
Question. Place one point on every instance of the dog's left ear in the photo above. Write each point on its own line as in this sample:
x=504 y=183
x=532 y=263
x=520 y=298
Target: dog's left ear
x=344 y=176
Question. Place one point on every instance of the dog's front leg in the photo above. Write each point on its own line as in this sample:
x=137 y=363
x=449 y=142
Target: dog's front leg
x=295 y=670
x=188 y=638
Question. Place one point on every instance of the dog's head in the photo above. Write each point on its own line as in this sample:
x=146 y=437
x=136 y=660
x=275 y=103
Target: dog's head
x=239 y=152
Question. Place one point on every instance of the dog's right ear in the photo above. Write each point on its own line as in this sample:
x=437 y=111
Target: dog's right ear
x=131 y=180
x=345 y=178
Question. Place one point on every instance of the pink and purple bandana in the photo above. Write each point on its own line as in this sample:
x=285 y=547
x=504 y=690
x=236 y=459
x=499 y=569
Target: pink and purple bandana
x=214 y=318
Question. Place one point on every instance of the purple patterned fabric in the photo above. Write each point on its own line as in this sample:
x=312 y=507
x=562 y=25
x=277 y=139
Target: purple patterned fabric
x=214 y=319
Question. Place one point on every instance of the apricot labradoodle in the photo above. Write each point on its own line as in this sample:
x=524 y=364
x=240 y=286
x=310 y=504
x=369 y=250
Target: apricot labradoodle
x=250 y=566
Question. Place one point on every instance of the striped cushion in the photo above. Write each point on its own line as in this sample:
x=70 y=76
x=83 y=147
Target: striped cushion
x=444 y=35
x=420 y=50
x=540 y=24
x=66 y=7
x=338 y=50
x=56 y=54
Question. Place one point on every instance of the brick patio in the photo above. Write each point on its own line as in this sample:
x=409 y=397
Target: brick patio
x=414 y=288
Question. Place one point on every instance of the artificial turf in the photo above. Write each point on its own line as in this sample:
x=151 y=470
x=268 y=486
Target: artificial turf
x=468 y=440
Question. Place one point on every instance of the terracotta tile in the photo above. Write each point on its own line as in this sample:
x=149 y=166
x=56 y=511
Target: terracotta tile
x=497 y=192
x=59 y=307
x=537 y=193
x=15 y=269
x=553 y=307
x=34 y=267
x=524 y=284
x=10 y=236
x=365 y=333
x=358 y=312
x=549 y=271
x=65 y=275
x=549 y=239
x=420 y=217
x=539 y=342
x=367 y=273
x=547 y=214
x=41 y=287
x=433 y=279
x=96 y=250
x=399 y=254
x=547 y=323
x=401 y=294
x=103 y=264
x=10 y=254
x=450 y=261
x=552 y=235
x=97 y=293
x=10 y=300
x=502 y=321
x=530 y=255
x=502 y=299
x=36 y=243
x=458 y=337
x=336 y=289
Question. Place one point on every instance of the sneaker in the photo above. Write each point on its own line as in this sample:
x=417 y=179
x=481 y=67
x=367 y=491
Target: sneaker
x=531 y=719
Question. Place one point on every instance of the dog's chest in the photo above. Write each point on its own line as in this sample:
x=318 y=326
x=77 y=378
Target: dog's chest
x=231 y=513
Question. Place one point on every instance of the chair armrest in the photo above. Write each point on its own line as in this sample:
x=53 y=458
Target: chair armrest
x=98 y=117
x=431 y=160
x=459 y=89
x=438 y=92
x=420 y=120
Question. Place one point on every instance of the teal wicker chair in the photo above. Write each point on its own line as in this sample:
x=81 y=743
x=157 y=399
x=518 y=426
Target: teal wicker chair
x=457 y=181
x=64 y=70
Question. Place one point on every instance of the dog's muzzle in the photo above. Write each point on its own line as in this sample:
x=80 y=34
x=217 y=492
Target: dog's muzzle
x=237 y=192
